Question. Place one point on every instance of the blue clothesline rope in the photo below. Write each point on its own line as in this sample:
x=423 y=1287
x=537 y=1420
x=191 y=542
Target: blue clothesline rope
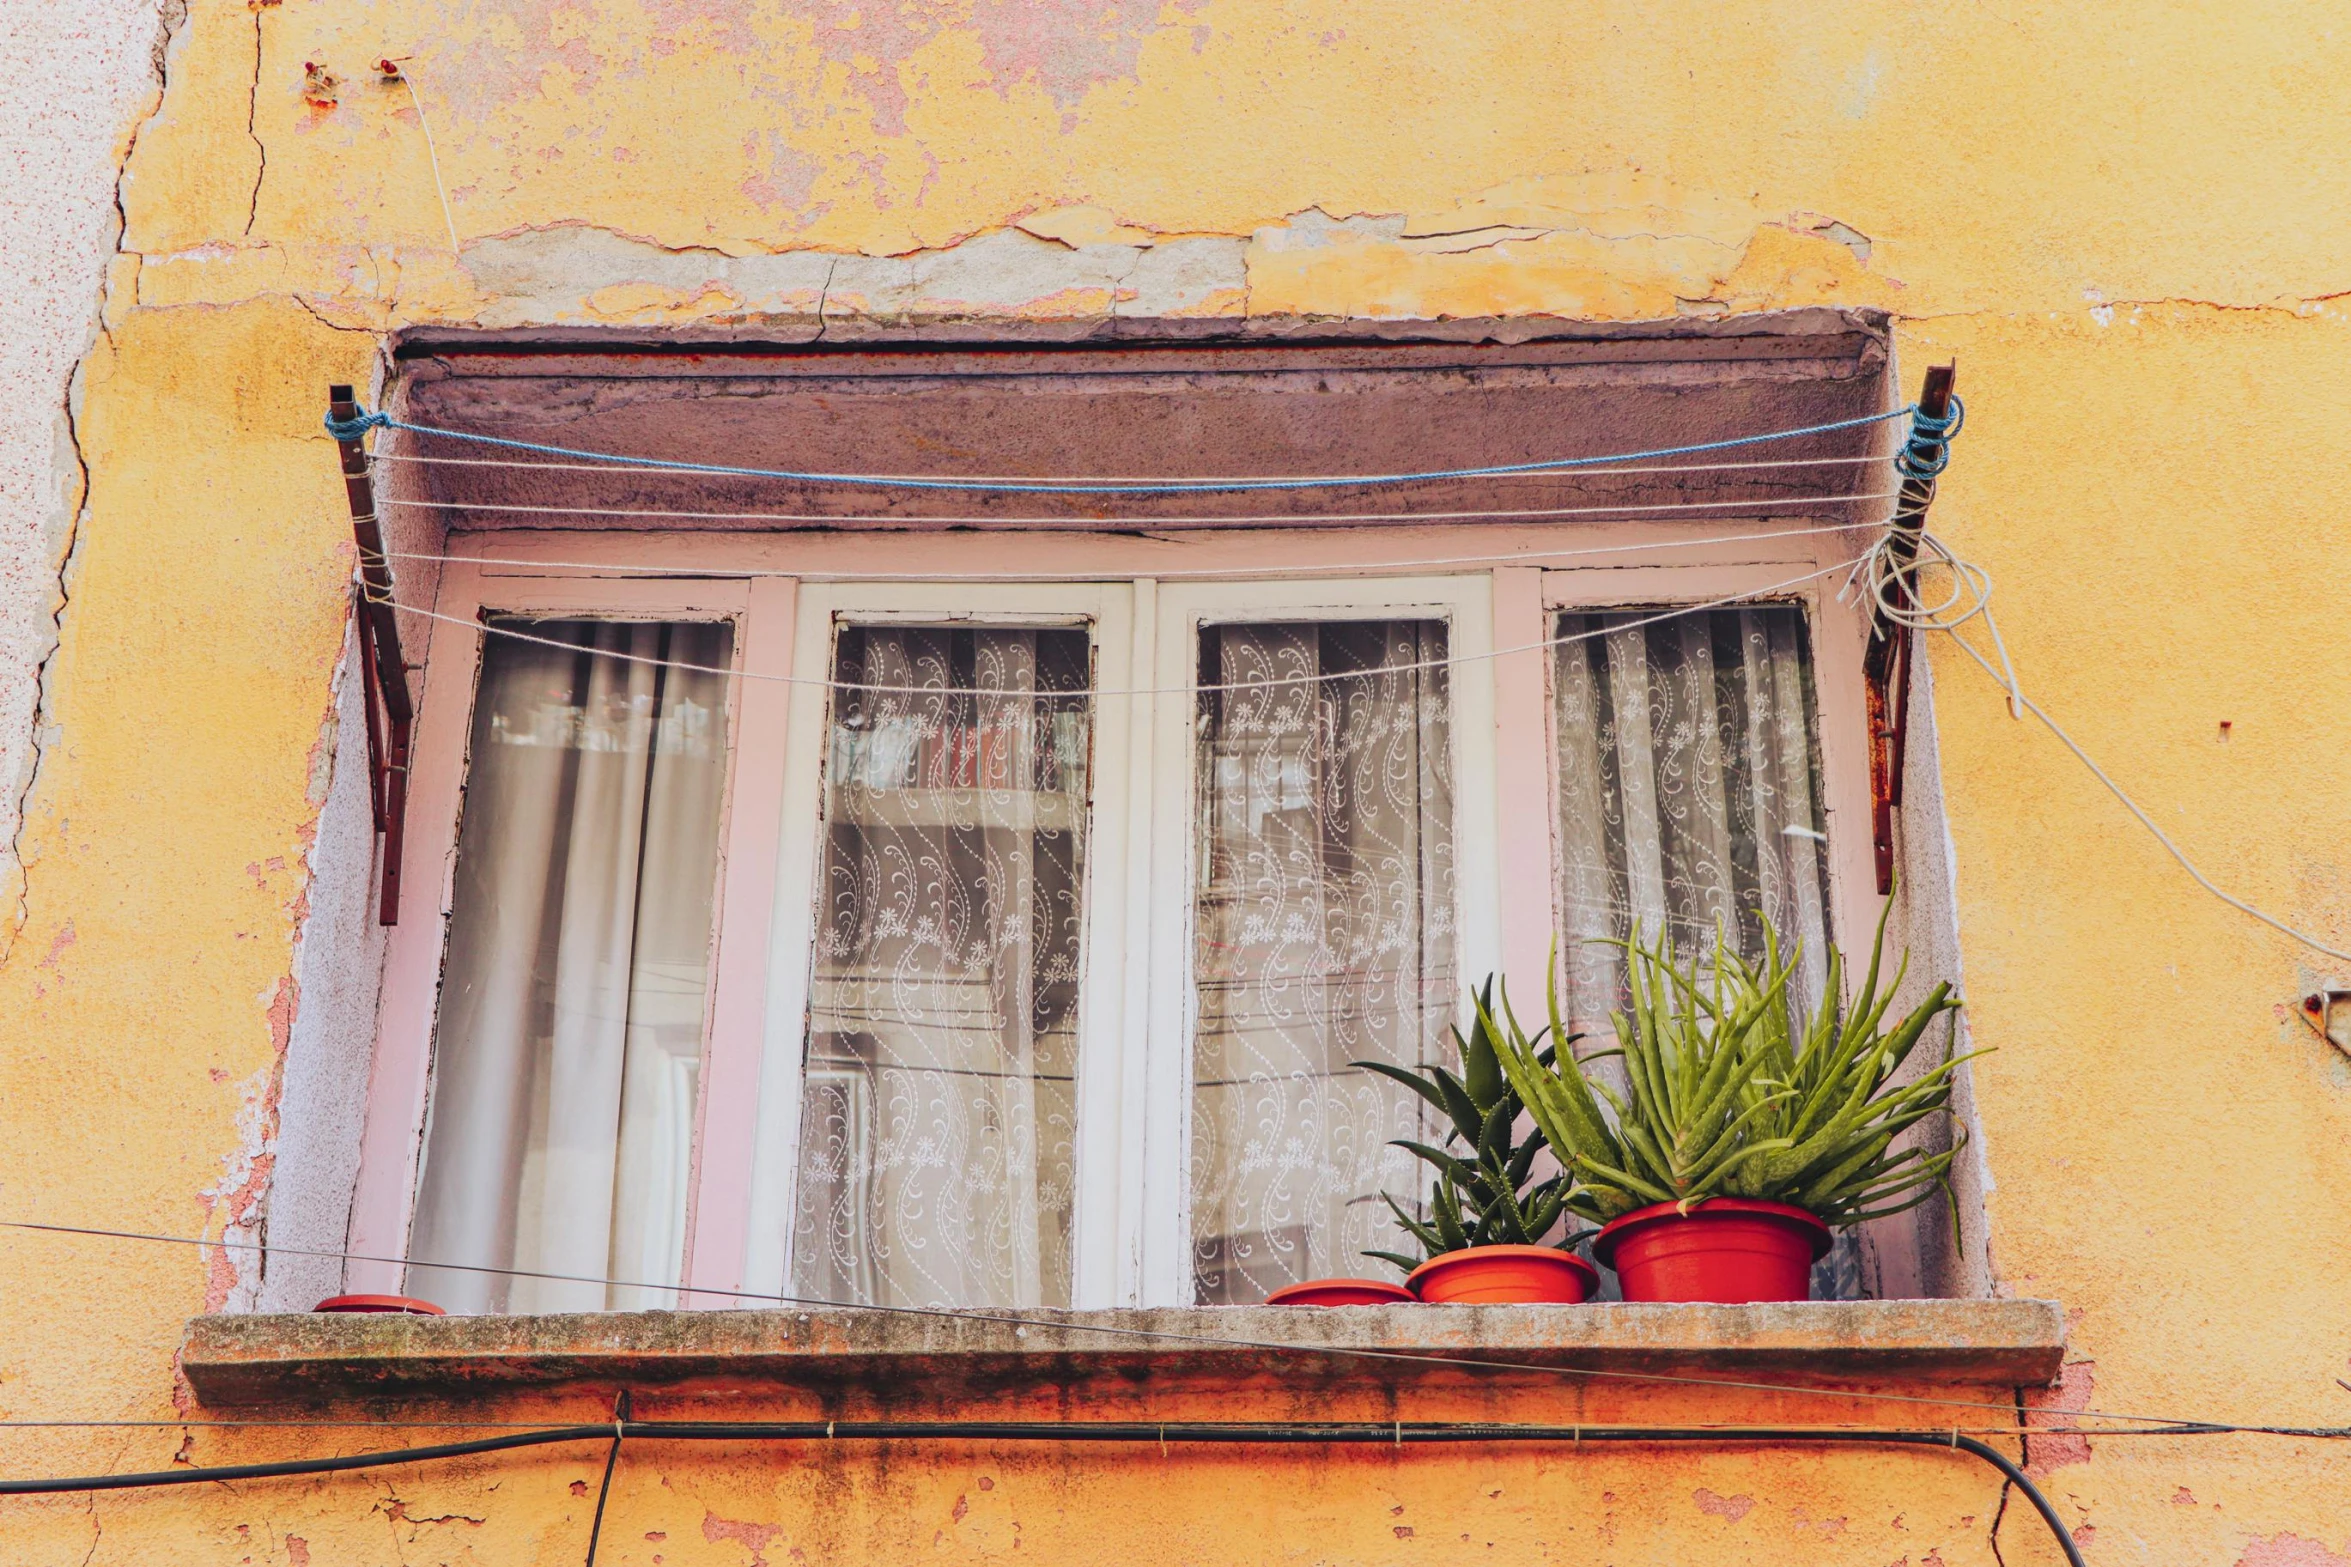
x=352 y=429
x=1927 y=451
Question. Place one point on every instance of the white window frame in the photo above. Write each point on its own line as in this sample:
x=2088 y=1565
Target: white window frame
x=1132 y=1241
x=1162 y=1113
x=1106 y=609
x=1837 y=632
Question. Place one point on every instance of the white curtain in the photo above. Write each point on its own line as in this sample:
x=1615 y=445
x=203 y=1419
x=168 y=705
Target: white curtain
x=938 y=1128
x=570 y=1038
x=1325 y=935
x=1689 y=792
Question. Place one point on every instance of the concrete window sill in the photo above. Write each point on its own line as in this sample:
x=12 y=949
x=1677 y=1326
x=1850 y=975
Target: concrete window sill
x=267 y=1358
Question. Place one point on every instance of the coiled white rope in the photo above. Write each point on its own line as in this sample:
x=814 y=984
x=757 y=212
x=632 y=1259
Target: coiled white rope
x=1893 y=585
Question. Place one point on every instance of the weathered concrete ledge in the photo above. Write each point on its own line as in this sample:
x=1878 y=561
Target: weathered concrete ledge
x=245 y=1359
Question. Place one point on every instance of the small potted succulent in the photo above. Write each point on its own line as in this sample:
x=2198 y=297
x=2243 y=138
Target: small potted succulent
x=1745 y=1135
x=1484 y=1239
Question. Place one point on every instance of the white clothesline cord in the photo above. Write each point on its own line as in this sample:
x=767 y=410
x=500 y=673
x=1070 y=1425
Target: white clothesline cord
x=398 y=71
x=668 y=472
x=1093 y=523
x=1089 y=693
x=356 y=427
x=1166 y=574
x=1970 y=598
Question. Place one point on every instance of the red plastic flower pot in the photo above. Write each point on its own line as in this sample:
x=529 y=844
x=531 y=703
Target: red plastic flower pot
x=1504 y=1275
x=1341 y=1292
x=408 y=1304
x=1728 y=1250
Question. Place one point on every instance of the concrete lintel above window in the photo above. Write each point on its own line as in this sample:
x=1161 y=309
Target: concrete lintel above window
x=1397 y=397
x=897 y=1357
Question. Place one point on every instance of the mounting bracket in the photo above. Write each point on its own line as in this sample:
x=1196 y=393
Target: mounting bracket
x=391 y=715
x=1886 y=666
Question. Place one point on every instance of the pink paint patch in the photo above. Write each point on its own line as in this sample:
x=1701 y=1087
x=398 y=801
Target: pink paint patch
x=297 y=1551
x=1066 y=48
x=2291 y=1550
x=1732 y=1507
x=752 y=1536
x=2054 y=1406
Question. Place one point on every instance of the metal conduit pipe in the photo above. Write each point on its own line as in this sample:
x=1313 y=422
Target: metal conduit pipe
x=1285 y=1433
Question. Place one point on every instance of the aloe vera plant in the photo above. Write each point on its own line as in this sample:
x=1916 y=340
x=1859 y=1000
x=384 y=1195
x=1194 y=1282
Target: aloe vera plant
x=1482 y=1194
x=1728 y=1094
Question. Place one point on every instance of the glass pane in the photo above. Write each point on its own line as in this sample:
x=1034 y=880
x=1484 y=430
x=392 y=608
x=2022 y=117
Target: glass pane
x=570 y=1037
x=1325 y=936
x=938 y=1120
x=1689 y=790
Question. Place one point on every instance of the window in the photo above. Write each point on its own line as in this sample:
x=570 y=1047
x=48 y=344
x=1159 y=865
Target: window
x=896 y=918
x=1689 y=788
x=938 y=1121
x=579 y=935
x=1323 y=923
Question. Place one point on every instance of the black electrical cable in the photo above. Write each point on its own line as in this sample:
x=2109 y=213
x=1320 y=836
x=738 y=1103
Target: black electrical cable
x=620 y=1423
x=309 y=1466
x=1290 y=1433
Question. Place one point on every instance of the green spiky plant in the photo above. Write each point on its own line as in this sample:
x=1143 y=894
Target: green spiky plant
x=1728 y=1096
x=1481 y=1195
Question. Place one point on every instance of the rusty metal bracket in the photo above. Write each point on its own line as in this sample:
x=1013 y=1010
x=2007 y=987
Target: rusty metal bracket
x=1886 y=666
x=2318 y=1010
x=391 y=716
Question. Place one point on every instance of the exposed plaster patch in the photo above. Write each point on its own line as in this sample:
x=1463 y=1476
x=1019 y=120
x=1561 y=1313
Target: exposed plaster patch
x=100 y=66
x=575 y=274
x=1004 y=274
x=558 y=275
x=233 y=1275
x=1844 y=234
x=338 y=959
x=2076 y=1389
x=1201 y=276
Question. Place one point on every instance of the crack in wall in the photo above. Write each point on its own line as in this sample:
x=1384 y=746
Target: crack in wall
x=824 y=295
x=252 y=116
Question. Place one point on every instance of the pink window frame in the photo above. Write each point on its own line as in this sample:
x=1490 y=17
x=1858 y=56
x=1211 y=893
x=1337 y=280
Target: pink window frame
x=391 y=1147
x=754 y=580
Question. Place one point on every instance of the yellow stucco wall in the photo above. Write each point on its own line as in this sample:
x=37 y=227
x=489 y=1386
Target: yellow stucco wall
x=2127 y=223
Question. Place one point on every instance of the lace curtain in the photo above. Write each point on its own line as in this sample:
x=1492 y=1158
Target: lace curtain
x=1689 y=791
x=570 y=1037
x=1325 y=935
x=939 y=1108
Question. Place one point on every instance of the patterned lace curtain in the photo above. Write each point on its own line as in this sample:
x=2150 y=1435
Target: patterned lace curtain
x=570 y=1039
x=1325 y=935
x=1690 y=796
x=939 y=1107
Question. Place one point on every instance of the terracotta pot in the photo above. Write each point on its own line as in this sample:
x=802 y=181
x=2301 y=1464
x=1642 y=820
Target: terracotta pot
x=394 y=1303
x=1495 y=1275
x=1727 y=1249
x=1341 y=1292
